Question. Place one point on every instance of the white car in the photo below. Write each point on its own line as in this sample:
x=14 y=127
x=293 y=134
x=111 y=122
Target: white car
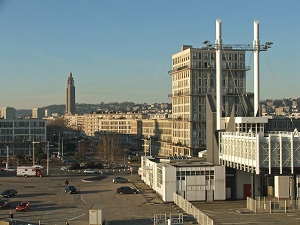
x=89 y=171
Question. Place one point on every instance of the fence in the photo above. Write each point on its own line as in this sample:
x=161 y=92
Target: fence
x=189 y=208
x=272 y=205
x=162 y=219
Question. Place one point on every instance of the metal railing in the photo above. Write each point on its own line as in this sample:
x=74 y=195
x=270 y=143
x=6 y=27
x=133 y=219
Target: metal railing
x=189 y=208
x=263 y=204
x=162 y=219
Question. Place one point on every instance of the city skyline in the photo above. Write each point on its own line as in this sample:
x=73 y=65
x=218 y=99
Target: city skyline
x=121 y=51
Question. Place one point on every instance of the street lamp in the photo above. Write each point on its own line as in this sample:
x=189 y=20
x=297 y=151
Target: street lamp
x=150 y=150
x=62 y=149
x=33 y=160
x=47 y=158
x=7 y=156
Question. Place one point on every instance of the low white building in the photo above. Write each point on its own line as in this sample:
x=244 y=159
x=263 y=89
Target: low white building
x=193 y=179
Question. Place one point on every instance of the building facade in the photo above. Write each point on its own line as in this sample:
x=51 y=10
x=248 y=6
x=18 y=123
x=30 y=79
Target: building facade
x=193 y=76
x=19 y=134
x=70 y=94
x=38 y=113
x=8 y=113
x=193 y=180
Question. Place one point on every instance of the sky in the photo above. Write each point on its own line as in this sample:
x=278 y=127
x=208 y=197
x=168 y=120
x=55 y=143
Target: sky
x=120 y=50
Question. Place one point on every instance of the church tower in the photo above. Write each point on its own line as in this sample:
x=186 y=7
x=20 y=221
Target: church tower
x=70 y=104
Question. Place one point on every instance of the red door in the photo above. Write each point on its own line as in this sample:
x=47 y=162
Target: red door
x=247 y=190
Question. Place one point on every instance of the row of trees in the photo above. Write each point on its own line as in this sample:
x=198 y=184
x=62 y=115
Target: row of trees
x=108 y=148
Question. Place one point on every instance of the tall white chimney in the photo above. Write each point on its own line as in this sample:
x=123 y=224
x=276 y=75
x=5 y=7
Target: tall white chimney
x=218 y=72
x=256 y=47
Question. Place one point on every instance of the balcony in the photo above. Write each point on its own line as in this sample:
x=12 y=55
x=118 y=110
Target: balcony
x=170 y=72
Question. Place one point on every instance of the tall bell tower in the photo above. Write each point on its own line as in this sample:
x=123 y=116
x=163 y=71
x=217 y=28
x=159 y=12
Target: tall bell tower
x=70 y=104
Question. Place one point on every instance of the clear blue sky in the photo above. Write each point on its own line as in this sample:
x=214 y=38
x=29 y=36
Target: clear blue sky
x=120 y=50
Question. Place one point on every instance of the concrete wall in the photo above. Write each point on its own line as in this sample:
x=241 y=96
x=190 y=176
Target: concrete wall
x=282 y=186
x=242 y=178
x=220 y=183
x=169 y=183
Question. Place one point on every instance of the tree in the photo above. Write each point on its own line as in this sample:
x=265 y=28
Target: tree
x=109 y=147
x=81 y=148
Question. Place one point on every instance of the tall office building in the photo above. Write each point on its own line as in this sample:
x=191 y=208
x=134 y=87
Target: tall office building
x=193 y=77
x=8 y=113
x=70 y=104
x=38 y=113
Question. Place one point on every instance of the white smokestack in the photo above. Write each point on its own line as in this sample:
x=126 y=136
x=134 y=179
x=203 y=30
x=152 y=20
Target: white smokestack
x=218 y=72
x=256 y=47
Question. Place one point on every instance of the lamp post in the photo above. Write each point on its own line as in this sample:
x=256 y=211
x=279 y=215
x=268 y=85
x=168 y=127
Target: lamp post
x=62 y=149
x=150 y=150
x=47 y=158
x=7 y=157
x=33 y=160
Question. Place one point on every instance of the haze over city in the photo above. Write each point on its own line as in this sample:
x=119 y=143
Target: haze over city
x=121 y=50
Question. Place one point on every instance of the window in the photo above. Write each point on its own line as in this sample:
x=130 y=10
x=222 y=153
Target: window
x=194 y=55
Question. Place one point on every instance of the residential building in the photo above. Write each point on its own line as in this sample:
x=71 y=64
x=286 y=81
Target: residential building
x=48 y=113
x=193 y=77
x=8 y=113
x=38 y=113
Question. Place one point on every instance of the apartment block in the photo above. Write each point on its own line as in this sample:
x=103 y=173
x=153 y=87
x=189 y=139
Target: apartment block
x=193 y=77
x=8 y=113
x=38 y=113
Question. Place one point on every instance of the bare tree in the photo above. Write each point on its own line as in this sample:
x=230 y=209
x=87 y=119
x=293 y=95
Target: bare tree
x=109 y=147
x=81 y=148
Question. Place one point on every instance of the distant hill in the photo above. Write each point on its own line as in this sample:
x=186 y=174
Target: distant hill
x=23 y=113
x=82 y=108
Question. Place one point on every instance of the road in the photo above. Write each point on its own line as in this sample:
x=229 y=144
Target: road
x=51 y=205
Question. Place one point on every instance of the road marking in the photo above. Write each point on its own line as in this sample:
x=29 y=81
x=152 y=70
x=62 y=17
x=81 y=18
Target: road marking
x=77 y=217
x=82 y=199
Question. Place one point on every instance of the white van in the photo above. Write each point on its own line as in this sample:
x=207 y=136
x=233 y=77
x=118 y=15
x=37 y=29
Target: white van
x=29 y=171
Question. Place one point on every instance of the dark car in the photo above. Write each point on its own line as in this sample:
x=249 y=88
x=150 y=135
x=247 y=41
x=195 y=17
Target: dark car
x=70 y=190
x=8 y=193
x=121 y=180
x=127 y=190
x=23 y=206
x=4 y=204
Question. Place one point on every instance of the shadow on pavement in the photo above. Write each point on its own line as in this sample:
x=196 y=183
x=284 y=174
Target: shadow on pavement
x=130 y=222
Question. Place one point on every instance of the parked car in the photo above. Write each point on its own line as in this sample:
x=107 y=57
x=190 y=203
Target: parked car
x=4 y=204
x=23 y=206
x=70 y=190
x=65 y=168
x=10 y=169
x=121 y=180
x=8 y=193
x=127 y=190
x=89 y=171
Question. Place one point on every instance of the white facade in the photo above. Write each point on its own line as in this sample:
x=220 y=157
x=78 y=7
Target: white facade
x=257 y=152
x=38 y=113
x=195 y=181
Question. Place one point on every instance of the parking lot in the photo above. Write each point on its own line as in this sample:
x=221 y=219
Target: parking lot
x=51 y=205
